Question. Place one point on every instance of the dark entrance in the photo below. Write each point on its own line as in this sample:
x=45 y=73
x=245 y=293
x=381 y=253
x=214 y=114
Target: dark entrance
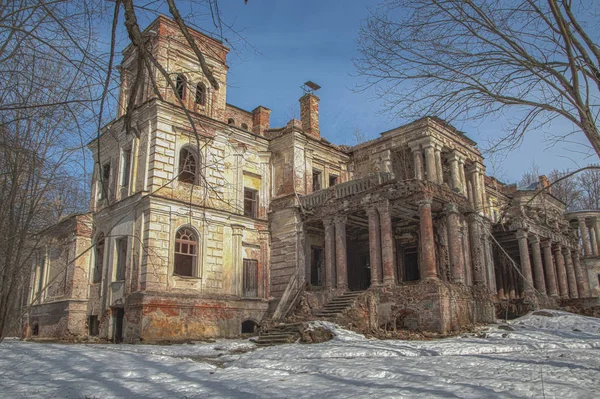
x=119 y=314
x=411 y=263
x=316 y=266
x=359 y=270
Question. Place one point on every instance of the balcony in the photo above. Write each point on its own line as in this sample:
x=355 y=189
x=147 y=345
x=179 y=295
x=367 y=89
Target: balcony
x=346 y=189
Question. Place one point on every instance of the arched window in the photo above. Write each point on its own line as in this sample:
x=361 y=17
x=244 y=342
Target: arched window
x=99 y=263
x=201 y=94
x=186 y=252
x=244 y=126
x=188 y=166
x=230 y=121
x=180 y=86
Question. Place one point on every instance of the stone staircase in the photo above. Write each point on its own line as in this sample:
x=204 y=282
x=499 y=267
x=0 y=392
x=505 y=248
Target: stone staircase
x=338 y=305
x=279 y=334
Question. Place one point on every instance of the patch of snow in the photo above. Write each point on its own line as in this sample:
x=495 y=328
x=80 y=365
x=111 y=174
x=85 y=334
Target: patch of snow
x=558 y=320
x=339 y=333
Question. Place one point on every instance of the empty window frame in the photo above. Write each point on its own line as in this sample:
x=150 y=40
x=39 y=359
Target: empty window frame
x=104 y=180
x=250 y=283
x=250 y=203
x=180 y=86
x=99 y=259
x=186 y=252
x=333 y=180
x=201 y=94
x=244 y=126
x=230 y=121
x=188 y=166
x=121 y=244
x=126 y=169
x=93 y=326
x=316 y=180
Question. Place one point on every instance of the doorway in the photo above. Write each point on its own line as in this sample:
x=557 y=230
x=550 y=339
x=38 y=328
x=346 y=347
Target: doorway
x=119 y=314
x=316 y=266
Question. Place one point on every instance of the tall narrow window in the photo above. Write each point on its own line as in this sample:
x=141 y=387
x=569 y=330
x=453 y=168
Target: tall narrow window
x=316 y=180
x=98 y=264
x=126 y=168
x=201 y=94
x=333 y=180
x=250 y=203
x=41 y=279
x=180 y=86
x=186 y=252
x=104 y=180
x=121 y=258
x=188 y=168
x=250 y=278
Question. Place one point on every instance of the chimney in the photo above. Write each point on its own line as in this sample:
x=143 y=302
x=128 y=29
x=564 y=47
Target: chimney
x=309 y=115
x=544 y=183
x=261 y=120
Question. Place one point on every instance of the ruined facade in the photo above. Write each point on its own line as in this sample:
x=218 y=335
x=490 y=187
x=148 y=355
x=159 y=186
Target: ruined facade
x=214 y=227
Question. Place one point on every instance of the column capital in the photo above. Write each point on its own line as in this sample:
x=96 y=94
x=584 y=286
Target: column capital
x=558 y=249
x=338 y=219
x=567 y=251
x=424 y=202
x=534 y=239
x=522 y=233
x=371 y=210
x=238 y=229
x=454 y=155
x=546 y=243
x=451 y=208
x=328 y=221
x=383 y=206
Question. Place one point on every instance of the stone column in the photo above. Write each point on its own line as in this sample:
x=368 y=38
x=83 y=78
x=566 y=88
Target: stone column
x=438 y=164
x=457 y=262
x=455 y=173
x=511 y=282
x=263 y=268
x=561 y=272
x=477 y=250
x=418 y=162
x=430 y=163
x=525 y=264
x=597 y=230
x=572 y=283
x=330 y=256
x=341 y=256
x=585 y=237
x=387 y=244
x=474 y=180
x=549 y=268
x=593 y=239
x=236 y=258
x=239 y=184
x=538 y=267
x=427 y=242
x=500 y=282
x=583 y=285
x=374 y=246
x=461 y=172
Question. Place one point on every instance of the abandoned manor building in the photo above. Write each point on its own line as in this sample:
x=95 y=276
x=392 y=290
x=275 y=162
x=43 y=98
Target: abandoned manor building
x=206 y=221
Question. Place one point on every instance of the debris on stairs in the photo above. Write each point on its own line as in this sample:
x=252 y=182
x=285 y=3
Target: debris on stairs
x=338 y=305
x=280 y=334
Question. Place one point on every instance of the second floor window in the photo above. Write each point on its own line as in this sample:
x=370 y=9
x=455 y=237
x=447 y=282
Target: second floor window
x=188 y=166
x=121 y=258
x=250 y=203
x=201 y=94
x=126 y=168
x=104 y=180
x=180 y=86
x=99 y=259
x=333 y=180
x=316 y=181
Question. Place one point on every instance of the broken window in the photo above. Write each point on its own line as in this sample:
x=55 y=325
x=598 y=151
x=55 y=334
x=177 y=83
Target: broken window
x=250 y=202
x=316 y=180
x=93 y=326
x=333 y=180
x=201 y=94
x=230 y=121
x=121 y=244
x=99 y=261
x=180 y=86
x=244 y=126
x=188 y=166
x=104 y=180
x=250 y=278
x=126 y=170
x=186 y=252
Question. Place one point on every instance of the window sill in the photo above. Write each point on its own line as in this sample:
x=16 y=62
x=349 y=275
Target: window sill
x=187 y=277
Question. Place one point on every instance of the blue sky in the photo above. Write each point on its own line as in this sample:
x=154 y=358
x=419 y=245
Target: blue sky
x=296 y=41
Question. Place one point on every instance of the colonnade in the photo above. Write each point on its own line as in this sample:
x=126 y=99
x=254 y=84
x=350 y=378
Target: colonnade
x=589 y=232
x=548 y=267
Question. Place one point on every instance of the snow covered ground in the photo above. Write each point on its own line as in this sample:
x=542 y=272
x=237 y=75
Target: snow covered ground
x=542 y=357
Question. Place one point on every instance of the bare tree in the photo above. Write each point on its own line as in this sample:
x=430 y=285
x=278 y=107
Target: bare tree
x=538 y=59
x=530 y=176
x=589 y=186
x=565 y=188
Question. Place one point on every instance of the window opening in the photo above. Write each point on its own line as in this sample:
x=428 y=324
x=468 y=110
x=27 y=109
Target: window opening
x=244 y=126
x=201 y=94
x=316 y=266
x=93 y=326
x=185 y=252
x=250 y=278
x=105 y=180
x=250 y=202
x=187 y=166
x=126 y=168
x=249 y=327
x=230 y=121
x=333 y=180
x=99 y=259
x=180 y=86
x=316 y=181
x=121 y=258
